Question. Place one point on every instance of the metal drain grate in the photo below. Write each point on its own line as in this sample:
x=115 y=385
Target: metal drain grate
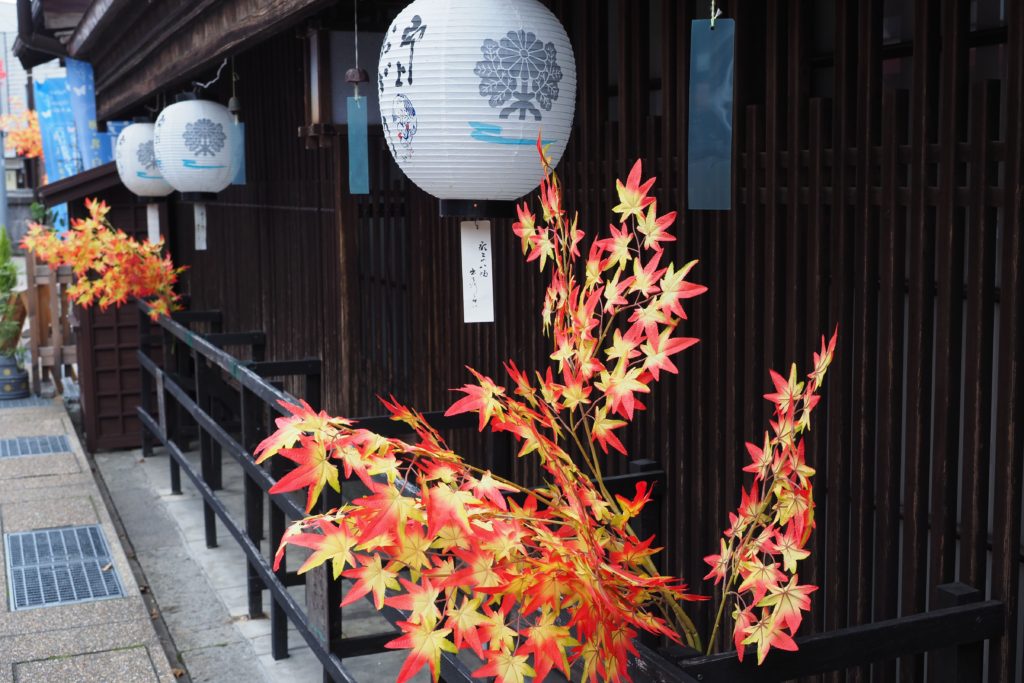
x=34 y=402
x=59 y=567
x=33 y=445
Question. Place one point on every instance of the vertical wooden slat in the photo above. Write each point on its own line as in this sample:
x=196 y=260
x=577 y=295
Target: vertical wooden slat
x=836 y=475
x=889 y=441
x=919 y=326
x=1006 y=532
x=861 y=334
x=949 y=308
x=981 y=268
x=796 y=98
x=771 y=303
x=738 y=226
x=814 y=276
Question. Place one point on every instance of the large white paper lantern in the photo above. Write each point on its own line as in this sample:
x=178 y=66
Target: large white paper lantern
x=465 y=88
x=195 y=145
x=136 y=162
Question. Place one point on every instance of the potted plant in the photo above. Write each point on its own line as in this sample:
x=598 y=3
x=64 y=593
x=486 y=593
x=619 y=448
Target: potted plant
x=13 y=378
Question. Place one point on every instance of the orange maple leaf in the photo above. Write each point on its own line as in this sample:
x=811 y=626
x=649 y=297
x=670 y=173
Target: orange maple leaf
x=506 y=668
x=371 y=577
x=426 y=644
x=333 y=543
x=313 y=471
x=633 y=197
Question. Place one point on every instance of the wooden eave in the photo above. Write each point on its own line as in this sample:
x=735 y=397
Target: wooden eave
x=140 y=49
x=81 y=185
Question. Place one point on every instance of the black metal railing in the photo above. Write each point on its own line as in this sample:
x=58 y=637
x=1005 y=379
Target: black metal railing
x=203 y=394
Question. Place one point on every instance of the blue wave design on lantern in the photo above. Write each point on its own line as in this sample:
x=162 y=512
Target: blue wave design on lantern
x=489 y=132
x=192 y=163
x=144 y=176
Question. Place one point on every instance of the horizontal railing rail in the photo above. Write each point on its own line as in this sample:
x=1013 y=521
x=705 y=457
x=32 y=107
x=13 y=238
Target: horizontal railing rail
x=954 y=633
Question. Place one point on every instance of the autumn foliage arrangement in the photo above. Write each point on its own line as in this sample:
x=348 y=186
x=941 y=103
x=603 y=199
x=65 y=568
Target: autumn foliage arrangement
x=549 y=578
x=110 y=267
x=22 y=133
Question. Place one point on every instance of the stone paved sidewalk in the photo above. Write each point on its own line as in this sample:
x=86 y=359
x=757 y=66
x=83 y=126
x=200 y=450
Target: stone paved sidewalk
x=110 y=640
x=201 y=592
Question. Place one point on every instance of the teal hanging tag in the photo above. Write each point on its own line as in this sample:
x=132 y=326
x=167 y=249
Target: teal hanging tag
x=239 y=160
x=709 y=153
x=358 y=146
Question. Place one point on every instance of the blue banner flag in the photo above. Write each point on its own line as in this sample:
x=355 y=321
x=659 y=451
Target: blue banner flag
x=82 y=92
x=61 y=157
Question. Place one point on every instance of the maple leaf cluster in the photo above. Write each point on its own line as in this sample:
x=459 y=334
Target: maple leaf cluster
x=22 y=134
x=530 y=580
x=541 y=579
x=767 y=536
x=110 y=266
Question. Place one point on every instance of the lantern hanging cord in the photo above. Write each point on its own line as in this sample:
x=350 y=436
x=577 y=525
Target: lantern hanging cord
x=715 y=13
x=355 y=10
x=203 y=86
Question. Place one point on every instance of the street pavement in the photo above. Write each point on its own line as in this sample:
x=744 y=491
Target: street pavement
x=111 y=640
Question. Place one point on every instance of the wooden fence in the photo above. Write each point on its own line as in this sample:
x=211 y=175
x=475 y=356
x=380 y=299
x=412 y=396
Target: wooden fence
x=52 y=349
x=894 y=213
x=877 y=185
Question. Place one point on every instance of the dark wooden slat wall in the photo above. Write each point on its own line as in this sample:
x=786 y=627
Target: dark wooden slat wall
x=895 y=213
x=273 y=257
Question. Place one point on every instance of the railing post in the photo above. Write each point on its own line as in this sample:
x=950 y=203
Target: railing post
x=171 y=422
x=216 y=410
x=963 y=663
x=252 y=432
x=278 y=618
x=323 y=593
x=145 y=381
x=203 y=376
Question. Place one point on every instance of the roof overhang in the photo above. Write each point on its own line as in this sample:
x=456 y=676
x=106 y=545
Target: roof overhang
x=37 y=42
x=138 y=49
x=81 y=185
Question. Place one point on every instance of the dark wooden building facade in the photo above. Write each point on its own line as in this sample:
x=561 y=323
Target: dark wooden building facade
x=878 y=167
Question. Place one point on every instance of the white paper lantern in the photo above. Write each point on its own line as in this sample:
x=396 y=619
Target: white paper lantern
x=465 y=88
x=195 y=145
x=136 y=162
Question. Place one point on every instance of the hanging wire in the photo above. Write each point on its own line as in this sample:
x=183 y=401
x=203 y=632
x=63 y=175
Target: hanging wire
x=355 y=5
x=234 y=105
x=355 y=11
x=203 y=86
x=715 y=13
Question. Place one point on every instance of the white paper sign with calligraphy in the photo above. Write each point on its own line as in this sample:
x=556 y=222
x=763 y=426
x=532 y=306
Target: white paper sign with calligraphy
x=200 y=220
x=477 y=272
x=153 y=223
